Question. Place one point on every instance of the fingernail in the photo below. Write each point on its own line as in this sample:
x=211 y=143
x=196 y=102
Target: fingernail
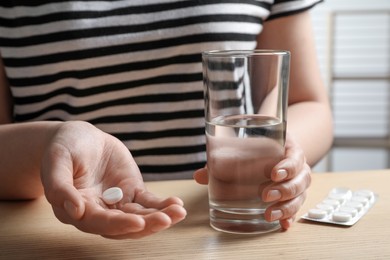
x=281 y=174
x=273 y=195
x=276 y=214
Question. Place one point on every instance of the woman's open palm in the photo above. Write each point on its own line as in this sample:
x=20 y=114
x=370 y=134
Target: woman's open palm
x=79 y=164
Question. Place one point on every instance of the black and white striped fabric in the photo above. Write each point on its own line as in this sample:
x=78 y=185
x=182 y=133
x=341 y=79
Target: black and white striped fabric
x=130 y=67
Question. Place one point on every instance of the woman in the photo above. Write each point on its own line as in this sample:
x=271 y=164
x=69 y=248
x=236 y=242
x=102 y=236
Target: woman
x=85 y=82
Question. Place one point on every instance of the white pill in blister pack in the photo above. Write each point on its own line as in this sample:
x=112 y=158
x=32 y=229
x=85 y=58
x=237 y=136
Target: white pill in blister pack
x=342 y=206
x=354 y=204
x=328 y=208
x=345 y=192
x=363 y=200
x=339 y=197
x=364 y=193
x=341 y=217
x=112 y=195
x=331 y=202
x=350 y=210
x=317 y=213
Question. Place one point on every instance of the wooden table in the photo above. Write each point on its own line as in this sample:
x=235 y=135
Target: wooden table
x=29 y=230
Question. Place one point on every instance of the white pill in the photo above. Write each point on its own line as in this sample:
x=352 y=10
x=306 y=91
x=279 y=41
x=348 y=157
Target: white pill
x=364 y=193
x=341 y=217
x=354 y=204
x=360 y=199
x=339 y=197
x=352 y=211
x=347 y=193
x=112 y=195
x=328 y=208
x=333 y=203
x=317 y=213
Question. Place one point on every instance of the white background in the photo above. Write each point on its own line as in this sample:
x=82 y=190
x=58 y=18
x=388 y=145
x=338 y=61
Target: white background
x=361 y=49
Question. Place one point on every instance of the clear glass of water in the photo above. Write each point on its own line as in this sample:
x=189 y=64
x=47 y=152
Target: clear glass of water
x=246 y=96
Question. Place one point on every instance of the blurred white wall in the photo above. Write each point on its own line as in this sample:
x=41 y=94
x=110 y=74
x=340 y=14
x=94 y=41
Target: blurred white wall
x=353 y=43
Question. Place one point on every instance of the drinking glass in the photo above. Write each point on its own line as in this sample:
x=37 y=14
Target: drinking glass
x=246 y=96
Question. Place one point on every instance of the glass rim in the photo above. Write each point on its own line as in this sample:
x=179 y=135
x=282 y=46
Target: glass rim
x=244 y=53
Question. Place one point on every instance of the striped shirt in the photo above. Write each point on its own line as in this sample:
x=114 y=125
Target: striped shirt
x=130 y=67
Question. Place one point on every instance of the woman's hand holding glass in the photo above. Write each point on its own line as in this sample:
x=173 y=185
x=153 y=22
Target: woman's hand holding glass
x=289 y=180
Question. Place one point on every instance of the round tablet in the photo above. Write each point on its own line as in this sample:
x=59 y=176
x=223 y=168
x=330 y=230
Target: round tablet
x=339 y=197
x=341 y=217
x=360 y=199
x=317 y=213
x=112 y=195
x=354 y=204
x=347 y=193
x=364 y=193
x=333 y=203
x=352 y=211
x=328 y=208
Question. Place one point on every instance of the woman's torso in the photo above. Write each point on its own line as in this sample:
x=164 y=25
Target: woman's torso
x=132 y=68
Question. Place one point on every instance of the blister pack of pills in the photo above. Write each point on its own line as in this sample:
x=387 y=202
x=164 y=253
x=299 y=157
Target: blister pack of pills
x=342 y=206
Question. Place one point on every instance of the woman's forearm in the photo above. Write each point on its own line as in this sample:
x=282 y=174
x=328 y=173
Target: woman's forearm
x=21 y=151
x=311 y=124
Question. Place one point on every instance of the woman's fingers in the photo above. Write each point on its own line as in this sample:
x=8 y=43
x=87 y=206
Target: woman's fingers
x=150 y=200
x=289 y=193
x=289 y=167
x=284 y=210
x=148 y=215
x=286 y=223
x=172 y=206
x=289 y=197
x=283 y=191
x=99 y=220
x=174 y=211
x=154 y=222
x=291 y=177
x=117 y=223
x=201 y=176
x=57 y=178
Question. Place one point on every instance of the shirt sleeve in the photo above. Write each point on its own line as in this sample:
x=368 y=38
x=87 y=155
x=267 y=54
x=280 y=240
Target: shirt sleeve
x=282 y=8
